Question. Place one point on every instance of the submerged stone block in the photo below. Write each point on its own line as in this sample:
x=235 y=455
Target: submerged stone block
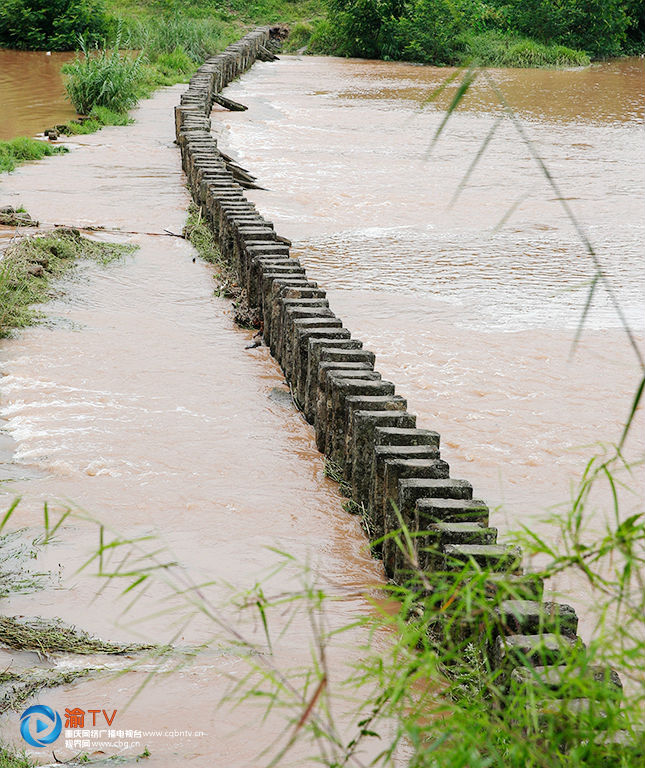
x=296 y=348
x=274 y=314
x=512 y=651
x=431 y=541
x=531 y=617
x=326 y=369
x=300 y=347
x=400 y=435
x=502 y=558
x=300 y=316
x=386 y=499
x=326 y=380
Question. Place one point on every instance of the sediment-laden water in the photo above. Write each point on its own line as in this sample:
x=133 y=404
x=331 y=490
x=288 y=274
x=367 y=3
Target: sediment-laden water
x=474 y=323
x=139 y=403
x=32 y=93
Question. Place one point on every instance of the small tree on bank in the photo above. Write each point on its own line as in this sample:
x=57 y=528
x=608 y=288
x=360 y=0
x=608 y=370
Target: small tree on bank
x=52 y=25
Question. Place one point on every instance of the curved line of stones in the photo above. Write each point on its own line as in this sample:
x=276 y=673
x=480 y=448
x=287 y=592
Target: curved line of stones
x=361 y=424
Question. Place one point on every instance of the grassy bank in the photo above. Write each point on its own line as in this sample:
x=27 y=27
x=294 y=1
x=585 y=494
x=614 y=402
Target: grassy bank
x=28 y=267
x=492 y=48
x=22 y=149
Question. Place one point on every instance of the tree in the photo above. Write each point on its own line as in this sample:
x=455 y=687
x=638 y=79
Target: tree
x=53 y=25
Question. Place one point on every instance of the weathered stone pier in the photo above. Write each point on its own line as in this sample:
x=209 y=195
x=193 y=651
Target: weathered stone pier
x=392 y=465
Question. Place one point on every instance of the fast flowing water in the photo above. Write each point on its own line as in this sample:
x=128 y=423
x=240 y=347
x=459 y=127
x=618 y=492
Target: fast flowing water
x=473 y=321
x=139 y=404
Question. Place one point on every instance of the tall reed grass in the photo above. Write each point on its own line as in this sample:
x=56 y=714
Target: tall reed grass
x=103 y=78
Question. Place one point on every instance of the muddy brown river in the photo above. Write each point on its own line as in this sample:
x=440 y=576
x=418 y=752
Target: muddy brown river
x=475 y=322
x=32 y=93
x=138 y=403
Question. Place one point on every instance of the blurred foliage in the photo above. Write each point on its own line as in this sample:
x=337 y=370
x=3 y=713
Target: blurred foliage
x=52 y=25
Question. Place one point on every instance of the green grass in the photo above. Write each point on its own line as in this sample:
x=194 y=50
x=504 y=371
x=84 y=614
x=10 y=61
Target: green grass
x=9 y=758
x=18 y=688
x=22 y=149
x=201 y=237
x=299 y=36
x=98 y=118
x=335 y=473
x=28 y=267
x=494 y=49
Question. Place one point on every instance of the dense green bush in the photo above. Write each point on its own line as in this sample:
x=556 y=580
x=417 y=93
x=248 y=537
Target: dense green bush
x=597 y=26
x=299 y=36
x=428 y=33
x=359 y=24
x=324 y=39
x=526 y=32
x=53 y=25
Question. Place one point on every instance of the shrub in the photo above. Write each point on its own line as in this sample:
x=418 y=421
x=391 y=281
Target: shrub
x=324 y=40
x=428 y=33
x=299 y=36
x=435 y=31
x=358 y=24
x=102 y=78
x=53 y=25
x=597 y=26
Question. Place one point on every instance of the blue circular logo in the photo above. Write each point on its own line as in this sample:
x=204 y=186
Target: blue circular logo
x=40 y=725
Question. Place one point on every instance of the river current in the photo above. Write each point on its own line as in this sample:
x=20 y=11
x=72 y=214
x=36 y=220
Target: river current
x=138 y=403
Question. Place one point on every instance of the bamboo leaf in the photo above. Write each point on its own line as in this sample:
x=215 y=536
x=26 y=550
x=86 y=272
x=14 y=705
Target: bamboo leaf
x=632 y=413
x=475 y=161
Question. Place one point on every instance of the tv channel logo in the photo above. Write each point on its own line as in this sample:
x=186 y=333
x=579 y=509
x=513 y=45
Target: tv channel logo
x=40 y=725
